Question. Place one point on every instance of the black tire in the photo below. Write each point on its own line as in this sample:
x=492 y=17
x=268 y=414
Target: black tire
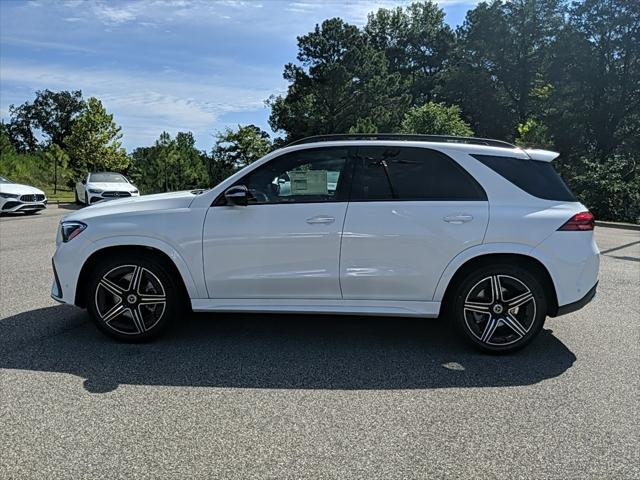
x=510 y=322
x=112 y=279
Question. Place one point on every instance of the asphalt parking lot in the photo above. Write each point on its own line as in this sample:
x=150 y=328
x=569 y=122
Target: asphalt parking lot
x=288 y=396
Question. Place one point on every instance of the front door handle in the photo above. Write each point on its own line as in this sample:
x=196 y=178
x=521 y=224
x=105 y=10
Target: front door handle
x=320 y=219
x=458 y=219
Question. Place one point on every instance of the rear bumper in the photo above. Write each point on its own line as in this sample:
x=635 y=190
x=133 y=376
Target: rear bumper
x=573 y=261
x=577 y=305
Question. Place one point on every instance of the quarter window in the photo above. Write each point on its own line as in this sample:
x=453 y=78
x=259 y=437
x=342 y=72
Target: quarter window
x=535 y=177
x=402 y=173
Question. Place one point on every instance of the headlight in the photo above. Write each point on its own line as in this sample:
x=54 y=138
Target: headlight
x=95 y=190
x=71 y=230
x=9 y=195
x=134 y=191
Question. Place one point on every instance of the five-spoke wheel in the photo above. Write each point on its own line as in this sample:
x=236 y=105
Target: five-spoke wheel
x=500 y=308
x=132 y=298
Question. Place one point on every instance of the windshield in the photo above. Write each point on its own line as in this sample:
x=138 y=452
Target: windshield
x=107 y=178
x=5 y=180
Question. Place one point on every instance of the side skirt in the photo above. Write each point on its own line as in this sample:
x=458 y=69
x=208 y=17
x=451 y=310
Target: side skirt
x=346 y=307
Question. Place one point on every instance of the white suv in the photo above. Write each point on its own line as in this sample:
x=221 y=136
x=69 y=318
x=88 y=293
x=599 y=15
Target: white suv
x=375 y=225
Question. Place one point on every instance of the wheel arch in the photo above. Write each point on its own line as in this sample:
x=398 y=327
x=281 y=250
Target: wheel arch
x=148 y=251
x=531 y=263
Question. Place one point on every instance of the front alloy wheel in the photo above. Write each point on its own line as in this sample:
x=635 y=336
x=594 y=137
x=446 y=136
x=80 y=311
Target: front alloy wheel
x=500 y=309
x=132 y=300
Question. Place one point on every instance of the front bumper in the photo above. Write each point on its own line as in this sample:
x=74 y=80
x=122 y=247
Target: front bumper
x=17 y=205
x=67 y=262
x=105 y=196
x=56 y=288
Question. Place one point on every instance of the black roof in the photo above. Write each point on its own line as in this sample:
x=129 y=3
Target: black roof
x=405 y=137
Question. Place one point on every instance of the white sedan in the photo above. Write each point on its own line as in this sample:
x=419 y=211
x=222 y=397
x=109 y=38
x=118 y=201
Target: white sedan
x=99 y=186
x=15 y=197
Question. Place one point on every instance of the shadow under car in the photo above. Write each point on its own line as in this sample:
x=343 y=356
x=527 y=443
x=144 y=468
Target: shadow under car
x=273 y=351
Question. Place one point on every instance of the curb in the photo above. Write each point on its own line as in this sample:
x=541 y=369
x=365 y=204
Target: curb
x=624 y=226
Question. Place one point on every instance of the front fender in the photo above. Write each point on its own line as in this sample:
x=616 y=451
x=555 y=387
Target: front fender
x=194 y=285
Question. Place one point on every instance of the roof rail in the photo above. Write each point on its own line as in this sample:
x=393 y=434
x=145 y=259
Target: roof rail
x=405 y=137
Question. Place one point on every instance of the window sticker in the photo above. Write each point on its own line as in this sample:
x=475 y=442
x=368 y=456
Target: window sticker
x=308 y=182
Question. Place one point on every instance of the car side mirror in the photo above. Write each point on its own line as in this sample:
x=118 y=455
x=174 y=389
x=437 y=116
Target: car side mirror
x=237 y=195
x=84 y=181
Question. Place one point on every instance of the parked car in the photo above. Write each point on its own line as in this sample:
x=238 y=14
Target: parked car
x=100 y=186
x=16 y=197
x=479 y=230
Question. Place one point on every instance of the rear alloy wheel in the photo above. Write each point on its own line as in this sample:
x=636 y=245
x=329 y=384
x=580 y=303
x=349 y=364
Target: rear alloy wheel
x=500 y=309
x=132 y=299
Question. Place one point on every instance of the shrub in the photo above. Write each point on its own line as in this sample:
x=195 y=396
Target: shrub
x=611 y=189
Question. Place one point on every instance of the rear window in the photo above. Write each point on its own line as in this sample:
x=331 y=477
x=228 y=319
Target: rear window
x=534 y=177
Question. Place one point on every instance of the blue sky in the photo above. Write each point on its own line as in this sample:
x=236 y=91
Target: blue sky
x=174 y=65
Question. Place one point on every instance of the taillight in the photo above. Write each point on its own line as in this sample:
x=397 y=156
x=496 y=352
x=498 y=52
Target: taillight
x=582 y=221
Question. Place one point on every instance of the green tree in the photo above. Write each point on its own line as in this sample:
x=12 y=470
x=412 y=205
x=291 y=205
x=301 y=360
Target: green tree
x=534 y=134
x=341 y=80
x=595 y=78
x=59 y=160
x=94 y=141
x=235 y=149
x=242 y=146
x=416 y=42
x=171 y=164
x=364 y=125
x=498 y=67
x=611 y=190
x=435 y=119
x=51 y=115
x=6 y=145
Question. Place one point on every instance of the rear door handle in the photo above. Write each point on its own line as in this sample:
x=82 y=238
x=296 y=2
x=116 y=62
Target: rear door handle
x=320 y=219
x=458 y=219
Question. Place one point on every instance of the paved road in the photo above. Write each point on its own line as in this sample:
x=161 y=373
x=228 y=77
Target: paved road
x=264 y=396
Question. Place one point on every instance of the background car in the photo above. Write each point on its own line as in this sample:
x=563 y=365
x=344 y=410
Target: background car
x=100 y=186
x=16 y=197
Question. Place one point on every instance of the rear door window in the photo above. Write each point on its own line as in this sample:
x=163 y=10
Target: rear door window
x=405 y=173
x=533 y=176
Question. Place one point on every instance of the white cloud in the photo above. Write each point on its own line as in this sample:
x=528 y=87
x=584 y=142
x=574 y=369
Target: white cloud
x=116 y=15
x=46 y=44
x=152 y=12
x=144 y=104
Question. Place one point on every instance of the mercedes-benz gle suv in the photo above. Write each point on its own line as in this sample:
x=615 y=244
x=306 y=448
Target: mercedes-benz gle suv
x=478 y=231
